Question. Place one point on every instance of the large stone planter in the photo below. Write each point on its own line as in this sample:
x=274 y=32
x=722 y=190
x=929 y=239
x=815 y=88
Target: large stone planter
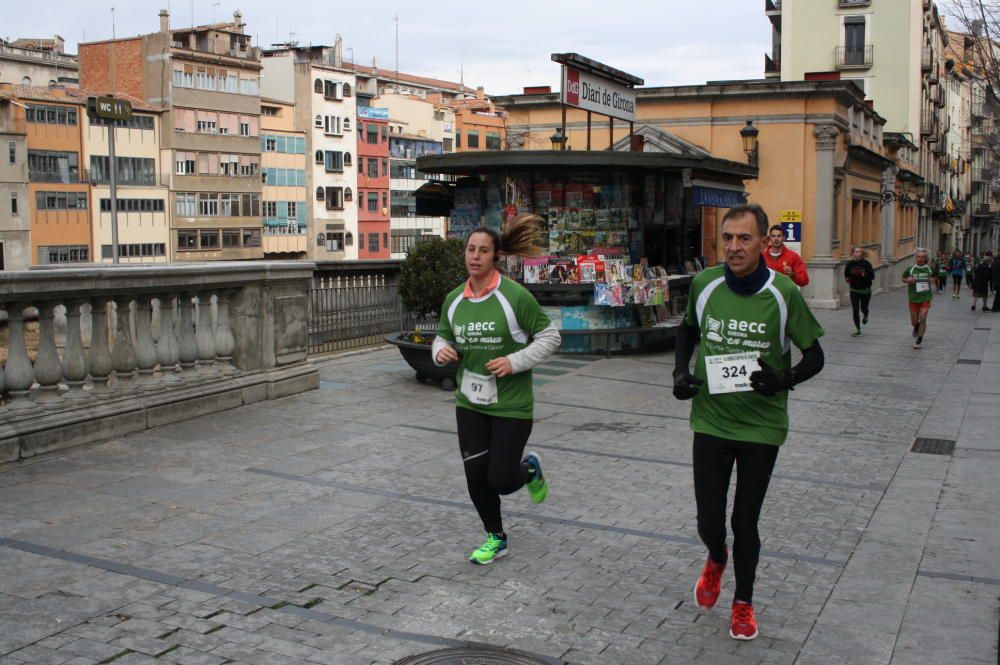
x=418 y=356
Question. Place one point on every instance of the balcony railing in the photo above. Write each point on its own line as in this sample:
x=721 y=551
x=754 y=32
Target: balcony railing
x=929 y=124
x=982 y=174
x=146 y=345
x=854 y=57
x=772 y=64
x=926 y=58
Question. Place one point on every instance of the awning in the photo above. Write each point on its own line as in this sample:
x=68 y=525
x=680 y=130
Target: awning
x=717 y=198
x=434 y=198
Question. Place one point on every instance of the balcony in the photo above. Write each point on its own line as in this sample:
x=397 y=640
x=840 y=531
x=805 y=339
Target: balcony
x=926 y=59
x=853 y=4
x=978 y=138
x=146 y=345
x=978 y=110
x=929 y=124
x=772 y=65
x=980 y=174
x=854 y=57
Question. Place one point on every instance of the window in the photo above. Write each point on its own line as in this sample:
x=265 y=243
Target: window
x=334 y=242
x=187 y=239
x=372 y=242
x=187 y=205
x=492 y=141
x=331 y=125
x=347 y=124
x=854 y=40
x=361 y=132
x=348 y=194
x=333 y=161
x=458 y=139
x=184 y=163
x=50 y=115
x=135 y=122
x=270 y=144
x=270 y=110
x=270 y=209
x=472 y=139
x=13 y=203
x=361 y=240
x=141 y=250
x=372 y=201
x=449 y=144
x=347 y=90
x=63 y=201
x=208 y=239
x=334 y=198
x=385 y=200
x=292 y=210
x=244 y=129
x=63 y=254
x=385 y=133
x=332 y=90
x=208 y=204
x=208 y=127
x=318 y=86
x=372 y=134
x=320 y=194
x=51 y=166
x=385 y=241
x=229 y=205
x=347 y=159
x=249 y=87
x=11 y=151
x=251 y=237
x=231 y=238
x=385 y=167
x=372 y=168
x=133 y=205
x=131 y=170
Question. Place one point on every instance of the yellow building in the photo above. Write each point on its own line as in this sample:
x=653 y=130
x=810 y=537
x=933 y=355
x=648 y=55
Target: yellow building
x=821 y=153
x=283 y=201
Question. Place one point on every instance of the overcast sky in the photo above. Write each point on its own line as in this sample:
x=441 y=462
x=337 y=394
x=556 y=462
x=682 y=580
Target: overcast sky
x=501 y=45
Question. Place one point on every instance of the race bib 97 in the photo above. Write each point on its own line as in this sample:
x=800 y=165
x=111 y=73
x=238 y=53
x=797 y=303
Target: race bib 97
x=730 y=373
x=923 y=287
x=479 y=388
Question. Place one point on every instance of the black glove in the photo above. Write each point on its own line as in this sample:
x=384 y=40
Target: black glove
x=686 y=385
x=769 y=381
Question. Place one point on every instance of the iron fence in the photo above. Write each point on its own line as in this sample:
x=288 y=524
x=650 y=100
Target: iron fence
x=353 y=311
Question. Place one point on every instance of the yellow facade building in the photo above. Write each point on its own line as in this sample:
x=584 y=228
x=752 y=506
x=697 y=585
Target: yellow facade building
x=283 y=200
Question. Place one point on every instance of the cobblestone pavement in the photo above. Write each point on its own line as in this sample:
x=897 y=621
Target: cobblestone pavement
x=333 y=527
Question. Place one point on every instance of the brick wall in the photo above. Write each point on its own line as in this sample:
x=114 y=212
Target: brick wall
x=96 y=69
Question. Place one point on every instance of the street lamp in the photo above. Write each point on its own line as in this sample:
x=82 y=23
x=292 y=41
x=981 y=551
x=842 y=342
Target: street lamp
x=558 y=140
x=749 y=135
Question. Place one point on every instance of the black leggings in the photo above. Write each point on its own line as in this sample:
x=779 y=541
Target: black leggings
x=859 y=301
x=492 y=448
x=713 y=467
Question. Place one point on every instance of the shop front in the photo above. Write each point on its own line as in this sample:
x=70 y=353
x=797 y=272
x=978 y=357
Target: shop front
x=621 y=231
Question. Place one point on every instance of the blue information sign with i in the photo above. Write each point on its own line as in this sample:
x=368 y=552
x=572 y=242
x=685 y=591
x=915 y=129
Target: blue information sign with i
x=793 y=231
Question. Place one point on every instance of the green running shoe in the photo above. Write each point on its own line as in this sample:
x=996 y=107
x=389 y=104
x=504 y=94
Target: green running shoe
x=494 y=548
x=538 y=487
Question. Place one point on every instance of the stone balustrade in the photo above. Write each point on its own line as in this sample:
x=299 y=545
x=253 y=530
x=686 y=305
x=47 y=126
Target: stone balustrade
x=123 y=348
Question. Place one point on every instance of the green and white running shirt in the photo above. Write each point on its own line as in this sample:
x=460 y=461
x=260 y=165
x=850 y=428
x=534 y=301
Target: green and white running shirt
x=921 y=290
x=492 y=326
x=766 y=323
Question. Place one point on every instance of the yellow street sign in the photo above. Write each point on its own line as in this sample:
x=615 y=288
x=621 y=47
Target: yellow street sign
x=791 y=216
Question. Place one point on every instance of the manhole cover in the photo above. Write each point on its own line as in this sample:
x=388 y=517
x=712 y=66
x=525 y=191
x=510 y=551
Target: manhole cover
x=933 y=446
x=473 y=656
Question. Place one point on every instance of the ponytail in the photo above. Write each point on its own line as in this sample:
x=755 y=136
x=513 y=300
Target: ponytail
x=519 y=237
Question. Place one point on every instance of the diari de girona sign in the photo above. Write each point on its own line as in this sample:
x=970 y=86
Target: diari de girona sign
x=593 y=93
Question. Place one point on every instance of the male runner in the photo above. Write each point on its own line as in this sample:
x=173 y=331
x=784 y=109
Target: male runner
x=920 y=278
x=783 y=260
x=744 y=318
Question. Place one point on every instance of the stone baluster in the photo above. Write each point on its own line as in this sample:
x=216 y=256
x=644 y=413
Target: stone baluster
x=206 y=336
x=99 y=357
x=167 y=351
x=48 y=367
x=145 y=349
x=123 y=351
x=225 y=342
x=187 y=344
x=20 y=373
x=74 y=363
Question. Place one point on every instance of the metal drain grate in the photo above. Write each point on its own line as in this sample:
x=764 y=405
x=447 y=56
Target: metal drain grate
x=933 y=446
x=968 y=361
x=982 y=329
x=476 y=655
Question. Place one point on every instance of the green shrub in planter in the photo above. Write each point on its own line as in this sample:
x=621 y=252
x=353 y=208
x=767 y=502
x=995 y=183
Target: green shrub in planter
x=430 y=271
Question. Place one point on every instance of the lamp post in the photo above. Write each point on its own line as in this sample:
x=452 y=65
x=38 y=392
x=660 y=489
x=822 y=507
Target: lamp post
x=749 y=135
x=558 y=139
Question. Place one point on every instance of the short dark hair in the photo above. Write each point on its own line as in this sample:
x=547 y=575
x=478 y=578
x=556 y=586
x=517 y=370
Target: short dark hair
x=777 y=227
x=749 y=209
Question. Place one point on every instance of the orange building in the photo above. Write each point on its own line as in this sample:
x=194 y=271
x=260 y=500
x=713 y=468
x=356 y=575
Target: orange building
x=479 y=124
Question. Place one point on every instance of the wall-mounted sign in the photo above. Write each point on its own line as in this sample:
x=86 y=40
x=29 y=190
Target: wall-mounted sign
x=790 y=216
x=593 y=93
x=793 y=231
x=109 y=108
x=373 y=113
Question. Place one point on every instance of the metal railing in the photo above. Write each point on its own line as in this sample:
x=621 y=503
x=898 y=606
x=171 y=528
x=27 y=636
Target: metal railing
x=926 y=58
x=353 y=311
x=928 y=123
x=854 y=57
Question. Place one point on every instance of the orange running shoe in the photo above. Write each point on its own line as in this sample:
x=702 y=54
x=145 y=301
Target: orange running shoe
x=744 y=624
x=706 y=591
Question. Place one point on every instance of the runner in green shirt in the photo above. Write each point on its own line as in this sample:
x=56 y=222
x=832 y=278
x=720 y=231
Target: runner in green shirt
x=744 y=318
x=497 y=332
x=920 y=278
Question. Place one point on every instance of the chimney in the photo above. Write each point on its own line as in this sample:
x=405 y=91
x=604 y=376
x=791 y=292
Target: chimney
x=338 y=52
x=480 y=93
x=238 y=21
x=164 y=21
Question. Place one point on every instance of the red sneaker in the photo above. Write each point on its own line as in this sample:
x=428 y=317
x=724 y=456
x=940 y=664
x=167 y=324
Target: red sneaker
x=744 y=625
x=706 y=591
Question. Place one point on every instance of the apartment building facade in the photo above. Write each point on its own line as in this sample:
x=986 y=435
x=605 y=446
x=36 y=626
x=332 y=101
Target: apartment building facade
x=15 y=219
x=38 y=62
x=284 y=200
x=373 y=183
x=207 y=78
x=323 y=94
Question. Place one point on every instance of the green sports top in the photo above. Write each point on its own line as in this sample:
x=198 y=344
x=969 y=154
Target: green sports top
x=492 y=326
x=767 y=322
x=923 y=274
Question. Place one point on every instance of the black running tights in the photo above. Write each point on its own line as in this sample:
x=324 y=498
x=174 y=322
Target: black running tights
x=859 y=301
x=492 y=448
x=713 y=467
